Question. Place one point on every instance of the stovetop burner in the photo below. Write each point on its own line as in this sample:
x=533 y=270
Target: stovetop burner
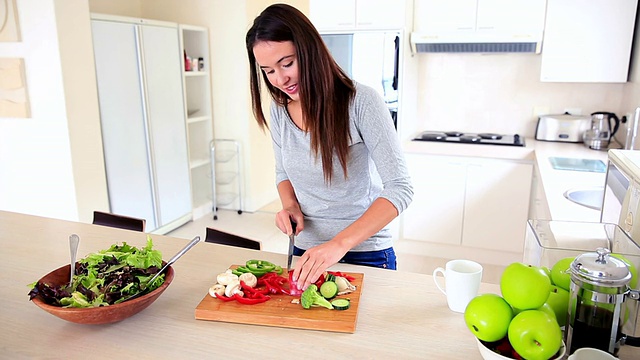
x=469 y=138
x=490 y=136
x=434 y=136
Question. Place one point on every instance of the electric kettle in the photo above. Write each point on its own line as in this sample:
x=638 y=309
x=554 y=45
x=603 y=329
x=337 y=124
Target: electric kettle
x=601 y=131
x=599 y=302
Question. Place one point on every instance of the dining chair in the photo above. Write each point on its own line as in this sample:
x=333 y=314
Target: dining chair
x=223 y=238
x=118 y=221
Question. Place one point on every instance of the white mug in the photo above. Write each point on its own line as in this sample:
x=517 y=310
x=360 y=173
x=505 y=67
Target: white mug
x=591 y=354
x=462 y=281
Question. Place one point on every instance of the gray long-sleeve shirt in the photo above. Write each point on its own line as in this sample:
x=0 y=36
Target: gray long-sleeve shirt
x=376 y=168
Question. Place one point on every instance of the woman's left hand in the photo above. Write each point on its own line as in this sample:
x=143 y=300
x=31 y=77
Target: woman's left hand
x=315 y=261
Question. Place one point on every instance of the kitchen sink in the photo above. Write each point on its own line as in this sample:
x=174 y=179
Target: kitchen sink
x=589 y=197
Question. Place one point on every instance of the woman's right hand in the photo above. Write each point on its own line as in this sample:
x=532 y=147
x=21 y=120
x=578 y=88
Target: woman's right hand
x=284 y=218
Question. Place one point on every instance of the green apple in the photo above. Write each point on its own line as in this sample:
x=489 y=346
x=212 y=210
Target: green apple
x=547 y=309
x=524 y=286
x=547 y=271
x=535 y=335
x=488 y=317
x=632 y=269
x=559 y=301
x=560 y=274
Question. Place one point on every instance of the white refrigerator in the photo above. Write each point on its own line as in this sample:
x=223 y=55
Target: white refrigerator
x=142 y=115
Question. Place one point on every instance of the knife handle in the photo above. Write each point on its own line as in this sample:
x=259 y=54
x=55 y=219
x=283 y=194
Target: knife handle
x=293 y=226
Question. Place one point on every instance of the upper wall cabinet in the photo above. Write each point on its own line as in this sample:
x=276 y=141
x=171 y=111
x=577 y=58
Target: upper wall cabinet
x=588 y=40
x=436 y=16
x=478 y=25
x=349 y=15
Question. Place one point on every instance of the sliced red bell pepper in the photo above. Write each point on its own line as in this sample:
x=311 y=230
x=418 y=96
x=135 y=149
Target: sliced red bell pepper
x=273 y=287
x=338 y=273
x=293 y=287
x=251 y=301
x=320 y=281
x=224 y=298
x=252 y=292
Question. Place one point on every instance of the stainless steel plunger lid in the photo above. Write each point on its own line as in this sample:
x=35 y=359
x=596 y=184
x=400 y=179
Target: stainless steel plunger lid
x=601 y=269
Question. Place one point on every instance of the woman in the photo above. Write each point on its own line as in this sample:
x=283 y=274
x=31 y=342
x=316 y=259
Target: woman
x=340 y=171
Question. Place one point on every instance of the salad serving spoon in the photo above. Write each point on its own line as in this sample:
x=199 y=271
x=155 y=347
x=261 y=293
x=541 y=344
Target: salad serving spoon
x=175 y=257
x=74 y=240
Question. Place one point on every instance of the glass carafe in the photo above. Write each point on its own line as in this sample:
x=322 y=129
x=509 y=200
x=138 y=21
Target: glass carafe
x=599 y=288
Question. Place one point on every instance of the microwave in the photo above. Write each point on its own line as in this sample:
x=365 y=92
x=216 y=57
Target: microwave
x=621 y=202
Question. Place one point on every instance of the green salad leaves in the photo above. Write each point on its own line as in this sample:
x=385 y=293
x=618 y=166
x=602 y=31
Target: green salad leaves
x=106 y=277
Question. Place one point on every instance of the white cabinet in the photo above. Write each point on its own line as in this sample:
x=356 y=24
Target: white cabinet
x=511 y=15
x=436 y=212
x=143 y=120
x=197 y=95
x=539 y=207
x=496 y=206
x=344 y=15
x=465 y=16
x=588 y=40
x=469 y=202
x=333 y=14
x=444 y=15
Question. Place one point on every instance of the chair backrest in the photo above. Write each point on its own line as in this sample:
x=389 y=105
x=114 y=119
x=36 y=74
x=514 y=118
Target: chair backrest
x=118 y=221
x=223 y=238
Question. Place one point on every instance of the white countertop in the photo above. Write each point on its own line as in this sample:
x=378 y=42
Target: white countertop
x=474 y=150
x=556 y=182
x=401 y=315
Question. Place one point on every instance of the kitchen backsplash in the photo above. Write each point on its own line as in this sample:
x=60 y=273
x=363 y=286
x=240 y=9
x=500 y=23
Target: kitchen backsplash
x=501 y=93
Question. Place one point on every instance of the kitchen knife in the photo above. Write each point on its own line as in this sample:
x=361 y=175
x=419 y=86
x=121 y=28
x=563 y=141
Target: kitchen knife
x=291 y=241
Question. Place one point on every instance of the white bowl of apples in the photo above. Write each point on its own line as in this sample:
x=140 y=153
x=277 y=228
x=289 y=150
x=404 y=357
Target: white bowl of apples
x=525 y=321
x=494 y=351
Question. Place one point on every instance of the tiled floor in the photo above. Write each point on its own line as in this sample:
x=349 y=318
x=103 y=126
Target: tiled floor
x=260 y=225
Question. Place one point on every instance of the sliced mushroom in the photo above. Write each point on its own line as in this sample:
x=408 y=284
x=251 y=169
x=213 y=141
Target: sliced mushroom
x=217 y=289
x=344 y=286
x=232 y=288
x=226 y=278
x=249 y=279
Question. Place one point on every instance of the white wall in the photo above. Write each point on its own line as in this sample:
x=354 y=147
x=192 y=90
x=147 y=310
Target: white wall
x=38 y=174
x=499 y=93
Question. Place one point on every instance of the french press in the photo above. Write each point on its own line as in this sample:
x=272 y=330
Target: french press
x=598 y=290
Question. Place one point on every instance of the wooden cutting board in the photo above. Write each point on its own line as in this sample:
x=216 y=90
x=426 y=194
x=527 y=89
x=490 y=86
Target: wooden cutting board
x=280 y=312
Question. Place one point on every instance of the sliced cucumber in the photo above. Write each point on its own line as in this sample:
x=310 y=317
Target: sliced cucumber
x=329 y=289
x=341 y=304
x=330 y=277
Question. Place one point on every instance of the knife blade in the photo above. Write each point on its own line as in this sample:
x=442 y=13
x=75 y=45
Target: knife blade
x=292 y=238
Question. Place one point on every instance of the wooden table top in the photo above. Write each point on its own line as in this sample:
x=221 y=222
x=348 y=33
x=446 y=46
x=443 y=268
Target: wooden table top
x=402 y=315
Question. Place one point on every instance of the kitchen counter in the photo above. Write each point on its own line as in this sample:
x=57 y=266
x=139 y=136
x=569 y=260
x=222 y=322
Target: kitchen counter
x=401 y=315
x=556 y=182
x=474 y=150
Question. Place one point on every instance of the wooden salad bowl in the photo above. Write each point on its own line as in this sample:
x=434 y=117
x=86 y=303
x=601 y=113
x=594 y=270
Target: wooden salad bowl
x=103 y=314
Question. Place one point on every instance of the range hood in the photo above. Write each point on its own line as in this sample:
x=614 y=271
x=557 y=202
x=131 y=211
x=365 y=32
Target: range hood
x=476 y=42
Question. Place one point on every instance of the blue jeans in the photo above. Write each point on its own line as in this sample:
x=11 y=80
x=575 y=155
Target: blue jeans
x=385 y=259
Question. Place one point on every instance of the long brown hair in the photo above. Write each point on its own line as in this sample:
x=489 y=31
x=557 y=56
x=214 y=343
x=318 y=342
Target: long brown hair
x=325 y=89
